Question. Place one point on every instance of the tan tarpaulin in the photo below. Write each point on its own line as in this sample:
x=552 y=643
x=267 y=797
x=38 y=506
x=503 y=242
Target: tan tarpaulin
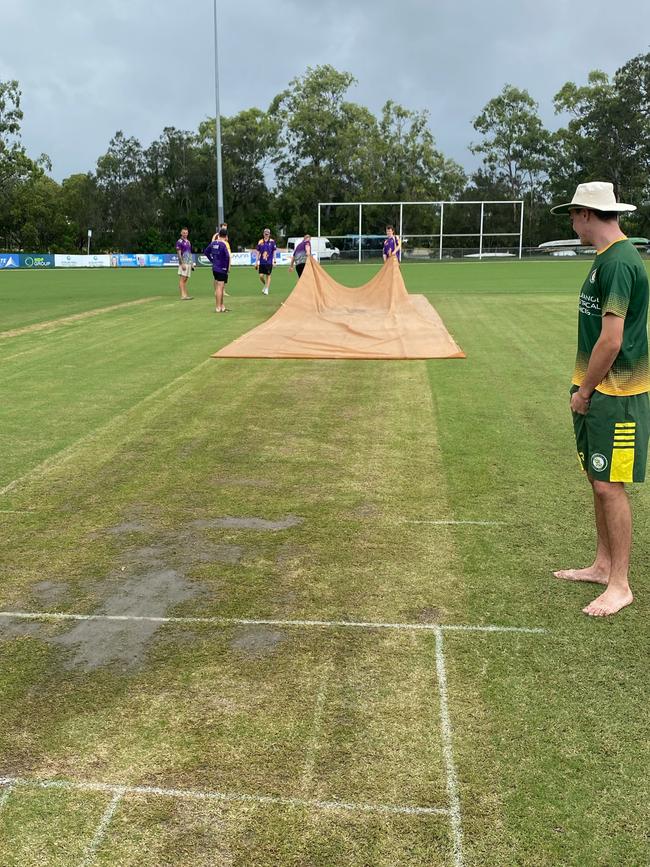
x=322 y=319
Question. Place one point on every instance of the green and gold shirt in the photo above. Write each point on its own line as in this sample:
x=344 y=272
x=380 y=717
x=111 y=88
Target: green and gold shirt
x=618 y=284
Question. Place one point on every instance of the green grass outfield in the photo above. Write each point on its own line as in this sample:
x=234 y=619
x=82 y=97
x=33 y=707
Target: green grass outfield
x=140 y=478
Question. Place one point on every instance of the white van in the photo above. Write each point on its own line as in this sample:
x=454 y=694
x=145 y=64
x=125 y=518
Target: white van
x=320 y=247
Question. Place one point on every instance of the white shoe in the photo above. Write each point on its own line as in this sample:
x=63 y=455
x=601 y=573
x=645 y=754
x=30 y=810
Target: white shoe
x=265 y=291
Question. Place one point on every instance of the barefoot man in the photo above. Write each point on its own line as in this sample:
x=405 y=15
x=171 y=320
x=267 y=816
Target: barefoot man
x=609 y=393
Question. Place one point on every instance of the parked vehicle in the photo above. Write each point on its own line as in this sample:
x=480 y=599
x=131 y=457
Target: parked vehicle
x=320 y=247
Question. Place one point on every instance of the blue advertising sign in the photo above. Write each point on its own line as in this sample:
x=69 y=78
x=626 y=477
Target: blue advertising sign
x=155 y=260
x=127 y=260
x=9 y=260
x=36 y=260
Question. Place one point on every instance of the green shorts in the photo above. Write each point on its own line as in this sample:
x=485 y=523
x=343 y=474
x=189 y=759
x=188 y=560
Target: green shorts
x=612 y=438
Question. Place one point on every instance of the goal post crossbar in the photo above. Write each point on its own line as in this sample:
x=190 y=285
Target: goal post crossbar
x=481 y=234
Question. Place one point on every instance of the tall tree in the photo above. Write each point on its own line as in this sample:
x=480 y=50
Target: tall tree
x=249 y=141
x=322 y=144
x=16 y=170
x=515 y=149
x=120 y=179
x=608 y=133
x=411 y=168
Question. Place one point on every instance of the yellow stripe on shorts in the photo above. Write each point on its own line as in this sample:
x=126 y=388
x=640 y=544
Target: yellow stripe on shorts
x=623 y=452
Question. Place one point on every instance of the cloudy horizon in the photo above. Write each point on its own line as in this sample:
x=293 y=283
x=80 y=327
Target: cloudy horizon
x=138 y=67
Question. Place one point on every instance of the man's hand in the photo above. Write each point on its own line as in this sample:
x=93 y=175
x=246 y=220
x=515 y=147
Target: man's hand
x=579 y=402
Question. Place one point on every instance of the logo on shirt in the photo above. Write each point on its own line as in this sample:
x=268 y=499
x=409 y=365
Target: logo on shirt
x=599 y=462
x=592 y=276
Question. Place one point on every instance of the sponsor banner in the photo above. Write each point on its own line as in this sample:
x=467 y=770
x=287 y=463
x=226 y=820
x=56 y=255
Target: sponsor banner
x=9 y=260
x=65 y=260
x=249 y=257
x=155 y=260
x=36 y=260
x=127 y=260
x=99 y=260
x=170 y=260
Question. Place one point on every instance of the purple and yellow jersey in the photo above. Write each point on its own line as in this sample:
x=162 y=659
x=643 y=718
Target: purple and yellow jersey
x=392 y=247
x=184 y=251
x=266 y=251
x=300 y=254
x=218 y=254
x=617 y=284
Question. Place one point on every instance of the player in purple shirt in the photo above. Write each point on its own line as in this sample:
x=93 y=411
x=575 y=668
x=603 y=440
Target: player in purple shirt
x=392 y=246
x=301 y=253
x=264 y=262
x=219 y=255
x=185 y=264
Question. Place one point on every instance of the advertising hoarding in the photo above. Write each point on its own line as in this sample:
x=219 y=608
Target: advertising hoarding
x=9 y=260
x=98 y=260
x=69 y=260
x=127 y=260
x=36 y=260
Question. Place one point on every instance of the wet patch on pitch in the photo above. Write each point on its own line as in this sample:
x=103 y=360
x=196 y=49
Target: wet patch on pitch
x=51 y=592
x=257 y=641
x=221 y=481
x=97 y=643
x=263 y=524
x=128 y=527
x=365 y=510
x=11 y=629
x=427 y=615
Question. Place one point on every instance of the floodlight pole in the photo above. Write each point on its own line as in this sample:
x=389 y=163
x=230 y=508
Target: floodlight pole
x=220 y=212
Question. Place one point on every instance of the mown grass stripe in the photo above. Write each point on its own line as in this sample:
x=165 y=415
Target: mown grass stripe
x=70 y=451
x=65 y=320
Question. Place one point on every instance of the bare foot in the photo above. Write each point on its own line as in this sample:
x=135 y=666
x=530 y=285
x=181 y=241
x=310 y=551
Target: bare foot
x=588 y=574
x=609 y=602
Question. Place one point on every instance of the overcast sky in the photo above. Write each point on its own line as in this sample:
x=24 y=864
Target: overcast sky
x=89 y=69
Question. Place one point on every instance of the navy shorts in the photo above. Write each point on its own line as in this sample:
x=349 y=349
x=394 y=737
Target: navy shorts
x=220 y=276
x=265 y=269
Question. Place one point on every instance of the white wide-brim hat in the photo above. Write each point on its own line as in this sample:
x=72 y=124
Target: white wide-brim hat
x=597 y=196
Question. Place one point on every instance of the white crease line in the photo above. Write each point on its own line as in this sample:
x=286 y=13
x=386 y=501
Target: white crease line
x=67 y=452
x=18 y=512
x=91 y=851
x=191 y=794
x=310 y=757
x=456 y=523
x=448 y=754
x=4 y=797
x=241 y=621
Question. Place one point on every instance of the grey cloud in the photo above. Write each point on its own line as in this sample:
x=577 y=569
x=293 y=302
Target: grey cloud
x=87 y=71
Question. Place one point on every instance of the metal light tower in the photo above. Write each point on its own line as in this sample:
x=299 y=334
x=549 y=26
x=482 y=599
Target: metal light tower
x=220 y=214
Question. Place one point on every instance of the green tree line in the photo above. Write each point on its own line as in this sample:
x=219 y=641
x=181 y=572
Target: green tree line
x=314 y=144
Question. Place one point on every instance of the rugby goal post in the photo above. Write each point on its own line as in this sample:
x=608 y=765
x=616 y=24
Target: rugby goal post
x=442 y=209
